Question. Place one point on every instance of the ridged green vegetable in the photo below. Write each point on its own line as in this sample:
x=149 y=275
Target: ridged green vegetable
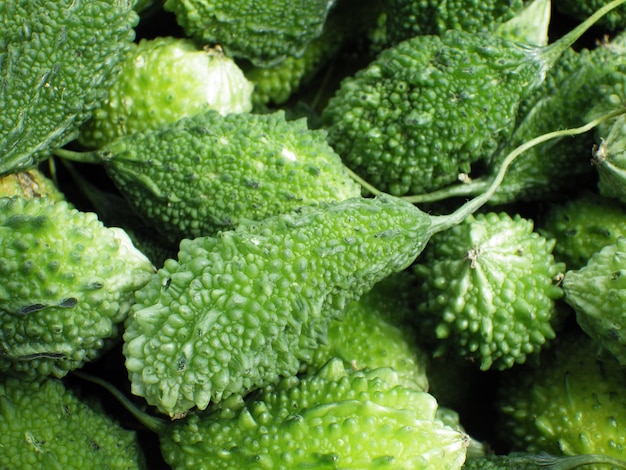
x=418 y=116
x=162 y=80
x=238 y=310
x=334 y=419
x=44 y=425
x=208 y=172
x=597 y=292
x=583 y=226
x=374 y=332
x=570 y=403
x=265 y=32
x=57 y=61
x=578 y=84
x=67 y=285
x=408 y=18
x=486 y=290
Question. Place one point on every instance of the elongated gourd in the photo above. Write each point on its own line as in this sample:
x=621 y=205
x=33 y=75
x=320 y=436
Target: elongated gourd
x=207 y=172
x=334 y=418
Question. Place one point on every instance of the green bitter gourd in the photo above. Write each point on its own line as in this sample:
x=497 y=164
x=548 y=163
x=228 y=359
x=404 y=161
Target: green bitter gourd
x=487 y=290
x=46 y=425
x=57 y=60
x=208 y=172
x=67 y=285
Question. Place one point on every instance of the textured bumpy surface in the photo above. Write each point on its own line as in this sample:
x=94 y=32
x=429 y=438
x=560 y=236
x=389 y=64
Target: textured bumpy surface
x=425 y=109
x=56 y=61
x=408 y=18
x=571 y=403
x=346 y=20
x=162 y=80
x=487 y=291
x=597 y=292
x=263 y=31
x=582 y=227
x=374 y=332
x=209 y=172
x=237 y=311
x=67 y=285
x=333 y=419
x=44 y=425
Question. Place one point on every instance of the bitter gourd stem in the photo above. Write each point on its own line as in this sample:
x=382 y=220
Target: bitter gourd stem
x=552 y=52
x=152 y=423
x=443 y=222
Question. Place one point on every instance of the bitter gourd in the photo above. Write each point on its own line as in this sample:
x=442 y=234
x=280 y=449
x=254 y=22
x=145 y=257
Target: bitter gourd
x=46 y=425
x=487 y=290
x=207 y=172
x=265 y=32
x=569 y=403
x=67 y=286
x=597 y=293
x=57 y=60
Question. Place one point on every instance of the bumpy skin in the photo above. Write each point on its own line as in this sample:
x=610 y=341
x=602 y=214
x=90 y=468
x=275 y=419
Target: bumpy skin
x=583 y=226
x=44 y=425
x=30 y=184
x=263 y=31
x=68 y=284
x=347 y=21
x=408 y=18
x=237 y=311
x=487 y=292
x=425 y=109
x=57 y=61
x=570 y=403
x=162 y=80
x=374 y=332
x=209 y=172
x=597 y=292
x=335 y=419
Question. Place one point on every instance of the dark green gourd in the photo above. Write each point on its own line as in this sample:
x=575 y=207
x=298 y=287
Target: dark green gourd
x=420 y=114
x=207 y=172
x=57 y=60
